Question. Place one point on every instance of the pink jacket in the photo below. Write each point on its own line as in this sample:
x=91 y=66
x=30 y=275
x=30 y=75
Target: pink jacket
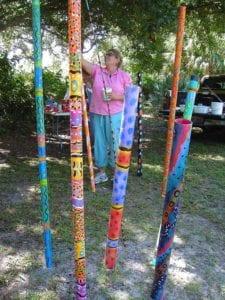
x=118 y=81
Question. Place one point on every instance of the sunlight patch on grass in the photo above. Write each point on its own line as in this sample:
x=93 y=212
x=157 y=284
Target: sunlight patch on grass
x=180 y=263
x=122 y=295
x=4 y=166
x=136 y=266
x=59 y=161
x=178 y=240
x=181 y=278
x=157 y=168
x=149 y=116
x=223 y=290
x=21 y=261
x=210 y=157
x=33 y=163
x=45 y=295
x=4 y=151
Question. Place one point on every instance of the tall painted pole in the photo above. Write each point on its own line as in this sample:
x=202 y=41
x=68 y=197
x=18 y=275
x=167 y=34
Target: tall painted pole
x=140 y=131
x=36 y=17
x=176 y=76
x=121 y=174
x=76 y=94
x=174 y=188
x=171 y=205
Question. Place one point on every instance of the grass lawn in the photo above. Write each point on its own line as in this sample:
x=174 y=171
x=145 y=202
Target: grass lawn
x=197 y=266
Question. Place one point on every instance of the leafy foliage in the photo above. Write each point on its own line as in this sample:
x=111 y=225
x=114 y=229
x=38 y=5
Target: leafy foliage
x=54 y=85
x=16 y=95
x=144 y=31
x=17 y=104
x=146 y=24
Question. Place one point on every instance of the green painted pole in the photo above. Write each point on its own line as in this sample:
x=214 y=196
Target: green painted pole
x=36 y=17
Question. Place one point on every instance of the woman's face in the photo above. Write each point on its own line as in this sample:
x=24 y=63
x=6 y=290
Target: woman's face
x=111 y=59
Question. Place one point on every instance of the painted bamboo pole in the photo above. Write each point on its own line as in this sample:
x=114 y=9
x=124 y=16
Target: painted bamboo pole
x=76 y=94
x=189 y=106
x=176 y=76
x=190 y=99
x=38 y=78
x=171 y=205
x=121 y=174
x=140 y=131
x=88 y=143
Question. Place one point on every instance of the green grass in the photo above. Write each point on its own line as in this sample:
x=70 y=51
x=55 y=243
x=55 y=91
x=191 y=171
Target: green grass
x=200 y=225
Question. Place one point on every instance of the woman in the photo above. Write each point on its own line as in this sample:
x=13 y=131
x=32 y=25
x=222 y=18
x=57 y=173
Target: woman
x=108 y=89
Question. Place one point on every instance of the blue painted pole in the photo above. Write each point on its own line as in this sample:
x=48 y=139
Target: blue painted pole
x=190 y=99
x=36 y=17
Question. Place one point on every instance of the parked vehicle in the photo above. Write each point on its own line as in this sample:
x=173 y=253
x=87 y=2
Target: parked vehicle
x=209 y=106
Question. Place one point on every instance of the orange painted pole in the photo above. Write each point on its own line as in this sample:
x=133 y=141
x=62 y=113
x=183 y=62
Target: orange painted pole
x=76 y=145
x=88 y=143
x=173 y=103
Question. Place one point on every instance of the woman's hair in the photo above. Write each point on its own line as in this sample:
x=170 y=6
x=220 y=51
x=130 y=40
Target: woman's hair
x=117 y=54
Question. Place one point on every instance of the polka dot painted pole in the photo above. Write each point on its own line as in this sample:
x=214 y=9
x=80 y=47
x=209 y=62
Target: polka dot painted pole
x=177 y=167
x=173 y=102
x=121 y=174
x=140 y=131
x=190 y=99
x=36 y=16
x=76 y=94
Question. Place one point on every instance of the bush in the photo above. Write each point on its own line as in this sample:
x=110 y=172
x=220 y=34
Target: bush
x=54 y=86
x=16 y=96
x=17 y=100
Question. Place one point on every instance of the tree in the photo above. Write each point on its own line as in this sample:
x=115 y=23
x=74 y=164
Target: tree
x=146 y=26
x=16 y=95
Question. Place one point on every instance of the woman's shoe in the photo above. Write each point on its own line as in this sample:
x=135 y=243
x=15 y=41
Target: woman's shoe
x=101 y=177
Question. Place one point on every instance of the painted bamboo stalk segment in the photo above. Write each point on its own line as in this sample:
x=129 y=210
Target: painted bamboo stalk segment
x=176 y=76
x=88 y=143
x=140 y=131
x=76 y=94
x=36 y=21
x=171 y=205
x=190 y=99
x=121 y=174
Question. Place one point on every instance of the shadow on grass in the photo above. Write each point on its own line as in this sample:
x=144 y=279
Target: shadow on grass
x=195 y=263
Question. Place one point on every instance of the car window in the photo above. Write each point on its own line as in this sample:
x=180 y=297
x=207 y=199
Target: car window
x=214 y=82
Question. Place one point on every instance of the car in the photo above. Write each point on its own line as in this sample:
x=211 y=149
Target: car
x=209 y=108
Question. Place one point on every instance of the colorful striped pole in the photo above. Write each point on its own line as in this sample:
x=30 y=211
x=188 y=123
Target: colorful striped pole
x=176 y=76
x=140 y=131
x=190 y=99
x=76 y=94
x=36 y=17
x=175 y=180
x=88 y=143
x=121 y=174
x=171 y=205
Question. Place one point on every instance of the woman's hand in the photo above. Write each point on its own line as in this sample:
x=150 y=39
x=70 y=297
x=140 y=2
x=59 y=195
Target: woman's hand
x=114 y=96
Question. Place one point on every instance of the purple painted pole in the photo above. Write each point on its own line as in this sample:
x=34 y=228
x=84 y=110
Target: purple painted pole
x=121 y=175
